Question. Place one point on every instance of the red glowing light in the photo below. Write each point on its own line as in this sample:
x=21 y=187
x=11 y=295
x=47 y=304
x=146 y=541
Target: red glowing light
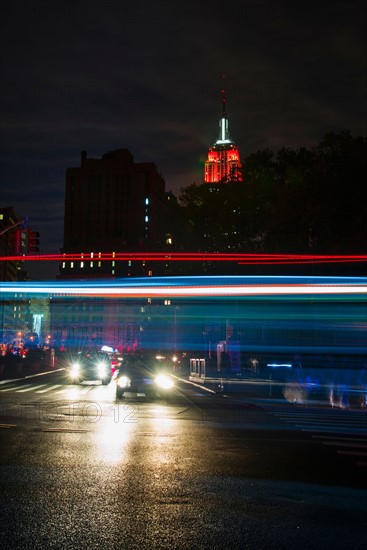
x=242 y=259
x=222 y=164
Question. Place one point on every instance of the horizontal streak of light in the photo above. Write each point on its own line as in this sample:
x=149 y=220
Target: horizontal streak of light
x=190 y=256
x=186 y=291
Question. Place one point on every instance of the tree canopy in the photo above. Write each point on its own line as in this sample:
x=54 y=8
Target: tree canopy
x=297 y=200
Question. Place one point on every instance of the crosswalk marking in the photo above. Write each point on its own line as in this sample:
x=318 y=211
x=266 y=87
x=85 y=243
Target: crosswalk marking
x=333 y=428
x=54 y=388
x=85 y=390
x=48 y=389
x=12 y=388
x=31 y=388
x=328 y=429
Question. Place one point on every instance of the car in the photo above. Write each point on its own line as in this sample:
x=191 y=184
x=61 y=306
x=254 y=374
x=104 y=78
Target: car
x=87 y=365
x=137 y=375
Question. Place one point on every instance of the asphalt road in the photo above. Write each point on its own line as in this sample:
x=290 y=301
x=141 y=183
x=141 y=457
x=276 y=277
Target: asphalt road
x=81 y=470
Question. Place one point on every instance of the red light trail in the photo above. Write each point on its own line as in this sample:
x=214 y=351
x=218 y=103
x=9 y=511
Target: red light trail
x=242 y=259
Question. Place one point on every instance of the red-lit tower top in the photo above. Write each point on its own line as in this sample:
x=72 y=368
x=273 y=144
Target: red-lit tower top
x=223 y=162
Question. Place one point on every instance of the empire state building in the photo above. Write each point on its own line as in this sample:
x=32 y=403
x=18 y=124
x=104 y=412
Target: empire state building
x=223 y=163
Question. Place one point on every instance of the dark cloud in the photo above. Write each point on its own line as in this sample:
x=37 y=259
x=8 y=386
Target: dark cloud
x=145 y=75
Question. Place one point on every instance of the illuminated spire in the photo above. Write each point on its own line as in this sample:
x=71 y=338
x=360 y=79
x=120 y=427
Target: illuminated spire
x=224 y=99
x=223 y=123
x=223 y=162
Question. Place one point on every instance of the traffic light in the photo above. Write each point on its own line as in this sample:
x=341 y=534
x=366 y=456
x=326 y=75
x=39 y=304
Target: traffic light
x=20 y=237
x=33 y=241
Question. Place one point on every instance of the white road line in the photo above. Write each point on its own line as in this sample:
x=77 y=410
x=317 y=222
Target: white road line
x=329 y=423
x=30 y=389
x=332 y=425
x=85 y=390
x=13 y=388
x=360 y=418
x=49 y=389
x=74 y=389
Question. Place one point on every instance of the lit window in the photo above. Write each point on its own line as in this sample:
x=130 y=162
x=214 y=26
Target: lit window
x=113 y=254
x=63 y=265
x=91 y=254
x=113 y=263
x=91 y=264
x=146 y=201
x=113 y=272
x=150 y=273
x=146 y=219
x=71 y=265
x=99 y=264
x=81 y=264
x=129 y=263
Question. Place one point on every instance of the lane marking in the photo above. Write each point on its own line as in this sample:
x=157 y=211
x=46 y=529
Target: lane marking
x=48 y=389
x=30 y=388
x=64 y=430
x=85 y=390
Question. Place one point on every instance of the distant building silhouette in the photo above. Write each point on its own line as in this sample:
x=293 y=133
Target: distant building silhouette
x=223 y=162
x=111 y=204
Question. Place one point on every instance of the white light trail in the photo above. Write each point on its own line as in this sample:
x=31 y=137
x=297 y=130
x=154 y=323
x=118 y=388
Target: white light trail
x=188 y=291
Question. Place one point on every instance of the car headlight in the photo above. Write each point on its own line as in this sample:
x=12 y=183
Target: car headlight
x=102 y=369
x=75 y=369
x=124 y=382
x=164 y=382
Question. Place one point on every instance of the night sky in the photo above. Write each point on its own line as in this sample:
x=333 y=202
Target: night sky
x=145 y=75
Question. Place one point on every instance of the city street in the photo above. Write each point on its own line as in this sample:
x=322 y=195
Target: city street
x=82 y=470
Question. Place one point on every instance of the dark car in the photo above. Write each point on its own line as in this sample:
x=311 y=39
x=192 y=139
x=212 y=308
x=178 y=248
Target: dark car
x=139 y=376
x=89 y=366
